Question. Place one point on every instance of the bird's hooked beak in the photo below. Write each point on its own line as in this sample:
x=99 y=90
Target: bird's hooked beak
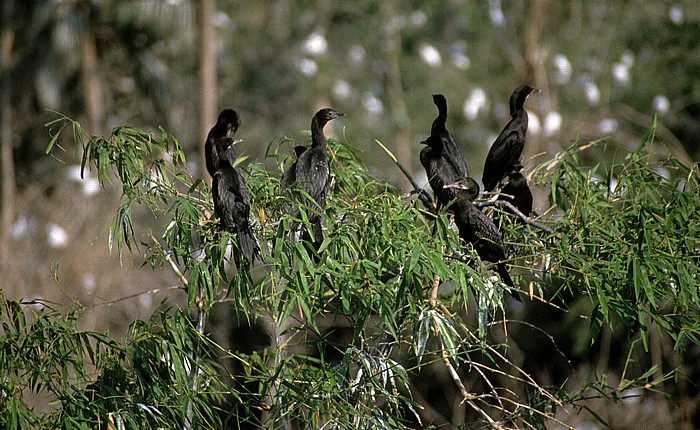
x=426 y=141
x=232 y=143
x=458 y=185
x=229 y=142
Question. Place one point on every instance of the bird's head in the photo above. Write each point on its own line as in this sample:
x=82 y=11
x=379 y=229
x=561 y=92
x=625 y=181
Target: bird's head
x=440 y=120
x=517 y=99
x=229 y=119
x=224 y=147
x=433 y=141
x=440 y=102
x=300 y=149
x=466 y=184
x=327 y=114
x=516 y=178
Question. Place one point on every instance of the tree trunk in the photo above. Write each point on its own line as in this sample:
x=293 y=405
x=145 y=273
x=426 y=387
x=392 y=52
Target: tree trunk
x=8 y=167
x=91 y=82
x=207 y=78
x=397 y=105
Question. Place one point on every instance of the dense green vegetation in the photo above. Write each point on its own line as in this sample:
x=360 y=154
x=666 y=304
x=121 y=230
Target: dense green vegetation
x=626 y=242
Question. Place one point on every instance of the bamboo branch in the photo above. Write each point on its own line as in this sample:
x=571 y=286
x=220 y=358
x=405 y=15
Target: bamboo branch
x=417 y=189
x=466 y=396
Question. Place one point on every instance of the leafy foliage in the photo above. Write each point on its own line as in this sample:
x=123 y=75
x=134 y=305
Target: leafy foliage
x=630 y=236
x=410 y=298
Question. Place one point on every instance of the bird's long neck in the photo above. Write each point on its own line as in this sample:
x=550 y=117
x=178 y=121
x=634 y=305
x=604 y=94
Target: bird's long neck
x=516 y=105
x=439 y=123
x=317 y=136
x=442 y=114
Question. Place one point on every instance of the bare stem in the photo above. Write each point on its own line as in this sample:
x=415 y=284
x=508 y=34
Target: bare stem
x=417 y=189
x=518 y=213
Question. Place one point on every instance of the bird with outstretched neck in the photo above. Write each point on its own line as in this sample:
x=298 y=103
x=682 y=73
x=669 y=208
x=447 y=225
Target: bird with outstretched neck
x=508 y=147
x=441 y=158
x=311 y=174
x=478 y=229
x=451 y=152
x=231 y=200
x=517 y=192
x=225 y=127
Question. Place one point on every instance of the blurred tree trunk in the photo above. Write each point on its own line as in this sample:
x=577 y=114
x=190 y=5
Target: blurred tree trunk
x=397 y=105
x=207 y=78
x=91 y=82
x=540 y=104
x=8 y=167
x=535 y=74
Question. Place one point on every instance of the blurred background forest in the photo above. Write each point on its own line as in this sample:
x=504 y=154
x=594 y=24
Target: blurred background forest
x=604 y=68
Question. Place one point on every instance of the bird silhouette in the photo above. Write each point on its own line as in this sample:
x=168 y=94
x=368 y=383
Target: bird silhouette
x=441 y=158
x=225 y=127
x=311 y=174
x=508 y=146
x=231 y=200
x=478 y=229
x=517 y=192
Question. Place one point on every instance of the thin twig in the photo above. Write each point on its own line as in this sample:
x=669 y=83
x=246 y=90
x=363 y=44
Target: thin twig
x=518 y=213
x=131 y=296
x=527 y=378
x=466 y=396
x=417 y=189
x=541 y=331
x=177 y=271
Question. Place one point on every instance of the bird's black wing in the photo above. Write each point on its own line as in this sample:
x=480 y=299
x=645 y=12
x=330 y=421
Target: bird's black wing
x=232 y=205
x=499 y=159
x=231 y=200
x=211 y=155
x=518 y=188
x=477 y=228
x=454 y=155
x=506 y=151
x=438 y=130
x=290 y=175
x=440 y=172
x=313 y=175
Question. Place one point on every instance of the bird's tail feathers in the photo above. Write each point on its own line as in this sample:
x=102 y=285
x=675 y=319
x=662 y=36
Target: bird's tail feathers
x=247 y=242
x=505 y=277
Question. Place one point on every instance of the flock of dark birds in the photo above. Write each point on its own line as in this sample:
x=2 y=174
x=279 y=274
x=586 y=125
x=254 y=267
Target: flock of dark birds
x=444 y=164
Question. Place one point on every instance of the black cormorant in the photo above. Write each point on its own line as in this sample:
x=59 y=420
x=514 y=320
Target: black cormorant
x=478 y=229
x=452 y=152
x=311 y=172
x=231 y=200
x=442 y=159
x=225 y=127
x=519 y=190
x=506 y=150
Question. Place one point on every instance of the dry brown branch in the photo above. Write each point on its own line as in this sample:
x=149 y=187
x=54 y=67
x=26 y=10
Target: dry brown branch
x=467 y=397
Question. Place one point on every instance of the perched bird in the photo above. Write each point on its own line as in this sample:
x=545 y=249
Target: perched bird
x=225 y=127
x=451 y=151
x=442 y=159
x=506 y=150
x=478 y=229
x=519 y=190
x=231 y=200
x=311 y=173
